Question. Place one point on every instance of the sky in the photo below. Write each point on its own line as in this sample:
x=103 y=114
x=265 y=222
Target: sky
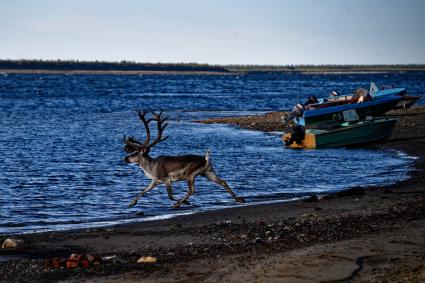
x=264 y=32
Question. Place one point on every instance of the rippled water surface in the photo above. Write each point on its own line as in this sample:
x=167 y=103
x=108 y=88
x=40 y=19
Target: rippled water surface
x=62 y=154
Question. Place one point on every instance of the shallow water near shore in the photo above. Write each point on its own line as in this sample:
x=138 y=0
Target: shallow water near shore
x=62 y=153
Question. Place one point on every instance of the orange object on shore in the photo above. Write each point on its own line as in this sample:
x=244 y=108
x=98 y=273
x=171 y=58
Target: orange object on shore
x=81 y=260
x=56 y=262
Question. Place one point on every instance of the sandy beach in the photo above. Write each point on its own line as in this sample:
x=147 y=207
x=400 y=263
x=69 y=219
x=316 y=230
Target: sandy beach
x=374 y=234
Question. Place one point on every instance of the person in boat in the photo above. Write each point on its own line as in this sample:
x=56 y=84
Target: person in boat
x=312 y=99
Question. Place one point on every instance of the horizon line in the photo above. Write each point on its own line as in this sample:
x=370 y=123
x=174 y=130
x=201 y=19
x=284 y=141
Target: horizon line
x=203 y=63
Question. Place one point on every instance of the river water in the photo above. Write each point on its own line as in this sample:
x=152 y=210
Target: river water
x=62 y=159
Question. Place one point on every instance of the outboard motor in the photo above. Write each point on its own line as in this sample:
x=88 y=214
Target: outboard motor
x=297 y=110
x=297 y=136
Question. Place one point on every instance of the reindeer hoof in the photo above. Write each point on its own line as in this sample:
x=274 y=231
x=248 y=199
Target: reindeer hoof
x=176 y=205
x=240 y=199
x=133 y=203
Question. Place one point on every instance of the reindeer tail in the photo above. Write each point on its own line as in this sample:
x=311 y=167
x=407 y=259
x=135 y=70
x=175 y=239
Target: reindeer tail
x=207 y=158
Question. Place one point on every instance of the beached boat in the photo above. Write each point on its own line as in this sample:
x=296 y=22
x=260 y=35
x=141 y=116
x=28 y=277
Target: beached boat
x=375 y=93
x=346 y=134
x=316 y=117
x=406 y=102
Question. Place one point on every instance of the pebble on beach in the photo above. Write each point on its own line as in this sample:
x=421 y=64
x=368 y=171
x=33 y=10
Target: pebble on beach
x=14 y=244
x=146 y=259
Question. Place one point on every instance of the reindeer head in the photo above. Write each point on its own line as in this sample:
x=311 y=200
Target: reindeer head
x=138 y=149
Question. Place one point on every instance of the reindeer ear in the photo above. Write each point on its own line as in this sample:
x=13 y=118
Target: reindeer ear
x=128 y=149
x=131 y=144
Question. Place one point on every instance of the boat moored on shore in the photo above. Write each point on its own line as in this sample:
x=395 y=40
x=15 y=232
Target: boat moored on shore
x=346 y=134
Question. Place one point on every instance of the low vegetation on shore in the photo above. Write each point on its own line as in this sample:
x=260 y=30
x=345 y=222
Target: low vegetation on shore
x=7 y=65
x=72 y=65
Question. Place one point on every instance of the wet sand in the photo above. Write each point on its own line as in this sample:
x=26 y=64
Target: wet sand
x=365 y=234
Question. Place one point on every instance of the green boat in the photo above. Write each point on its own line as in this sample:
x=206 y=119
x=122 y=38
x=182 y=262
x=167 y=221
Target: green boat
x=345 y=134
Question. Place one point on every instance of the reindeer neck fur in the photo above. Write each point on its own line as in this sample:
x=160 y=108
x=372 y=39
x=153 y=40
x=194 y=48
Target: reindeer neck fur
x=147 y=164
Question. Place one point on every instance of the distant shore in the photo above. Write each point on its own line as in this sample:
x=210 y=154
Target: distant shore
x=135 y=68
x=110 y=72
x=211 y=73
x=374 y=234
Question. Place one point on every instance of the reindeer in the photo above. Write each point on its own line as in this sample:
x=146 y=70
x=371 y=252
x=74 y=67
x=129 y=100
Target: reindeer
x=169 y=169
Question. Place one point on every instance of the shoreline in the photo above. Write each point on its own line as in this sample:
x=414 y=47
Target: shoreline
x=169 y=217
x=374 y=233
x=111 y=72
x=231 y=72
x=243 y=122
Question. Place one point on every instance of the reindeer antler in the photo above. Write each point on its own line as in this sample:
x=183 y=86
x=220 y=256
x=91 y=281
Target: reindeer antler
x=142 y=115
x=161 y=127
x=133 y=145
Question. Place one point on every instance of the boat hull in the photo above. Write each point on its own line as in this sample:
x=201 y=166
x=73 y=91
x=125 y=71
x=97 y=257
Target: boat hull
x=407 y=102
x=363 y=132
x=316 y=118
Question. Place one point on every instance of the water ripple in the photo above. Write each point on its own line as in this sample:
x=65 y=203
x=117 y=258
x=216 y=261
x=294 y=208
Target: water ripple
x=60 y=142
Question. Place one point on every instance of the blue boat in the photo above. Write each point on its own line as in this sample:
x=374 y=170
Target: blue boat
x=375 y=93
x=406 y=102
x=319 y=117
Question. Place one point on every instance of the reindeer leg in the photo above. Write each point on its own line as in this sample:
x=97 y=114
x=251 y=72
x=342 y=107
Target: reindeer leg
x=210 y=175
x=170 y=194
x=170 y=191
x=152 y=185
x=191 y=190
